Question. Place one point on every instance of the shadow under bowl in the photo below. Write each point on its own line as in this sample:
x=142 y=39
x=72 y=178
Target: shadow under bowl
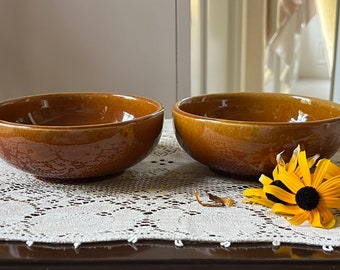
x=78 y=135
x=241 y=133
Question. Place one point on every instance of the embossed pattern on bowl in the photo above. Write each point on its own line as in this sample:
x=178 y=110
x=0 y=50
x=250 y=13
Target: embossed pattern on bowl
x=78 y=135
x=241 y=133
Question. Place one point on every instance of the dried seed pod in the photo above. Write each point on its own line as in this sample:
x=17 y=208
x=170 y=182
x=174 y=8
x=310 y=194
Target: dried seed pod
x=217 y=201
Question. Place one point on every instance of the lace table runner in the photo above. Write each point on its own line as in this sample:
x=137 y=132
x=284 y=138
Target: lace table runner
x=152 y=200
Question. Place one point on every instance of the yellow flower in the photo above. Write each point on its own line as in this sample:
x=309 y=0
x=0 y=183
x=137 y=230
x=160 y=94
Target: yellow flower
x=259 y=196
x=304 y=194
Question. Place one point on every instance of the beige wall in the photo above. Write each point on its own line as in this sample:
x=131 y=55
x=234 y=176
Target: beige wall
x=126 y=46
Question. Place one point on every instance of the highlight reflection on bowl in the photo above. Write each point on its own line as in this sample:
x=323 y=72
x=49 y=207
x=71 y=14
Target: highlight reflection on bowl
x=78 y=135
x=241 y=133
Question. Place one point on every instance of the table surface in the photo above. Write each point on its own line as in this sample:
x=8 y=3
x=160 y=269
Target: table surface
x=164 y=255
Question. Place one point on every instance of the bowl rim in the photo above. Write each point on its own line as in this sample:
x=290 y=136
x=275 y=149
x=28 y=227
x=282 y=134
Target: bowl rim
x=176 y=109
x=158 y=111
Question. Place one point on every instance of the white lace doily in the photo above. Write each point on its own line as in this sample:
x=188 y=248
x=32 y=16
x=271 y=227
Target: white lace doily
x=152 y=200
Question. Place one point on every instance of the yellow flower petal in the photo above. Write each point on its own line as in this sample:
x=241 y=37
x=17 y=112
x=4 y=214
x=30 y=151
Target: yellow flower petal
x=311 y=160
x=265 y=180
x=293 y=161
x=331 y=192
x=320 y=172
x=276 y=172
x=261 y=201
x=291 y=181
x=303 y=165
x=279 y=159
x=281 y=166
x=321 y=219
x=332 y=170
x=330 y=195
x=280 y=193
x=330 y=184
x=298 y=219
x=257 y=192
x=330 y=202
x=282 y=209
x=327 y=216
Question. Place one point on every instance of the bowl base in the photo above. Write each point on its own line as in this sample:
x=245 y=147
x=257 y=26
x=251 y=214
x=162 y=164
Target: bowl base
x=72 y=181
x=235 y=175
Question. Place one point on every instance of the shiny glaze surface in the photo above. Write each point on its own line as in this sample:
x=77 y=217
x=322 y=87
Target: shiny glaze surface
x=241 y=133
x=165 y=255
x=78 y=135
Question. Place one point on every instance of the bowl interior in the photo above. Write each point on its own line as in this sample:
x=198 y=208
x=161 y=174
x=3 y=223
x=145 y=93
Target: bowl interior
x=76 y=109
x=260 y=107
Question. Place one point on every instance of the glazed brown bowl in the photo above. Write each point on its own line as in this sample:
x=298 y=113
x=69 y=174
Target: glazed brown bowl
x=78 y=135
x=241 y=133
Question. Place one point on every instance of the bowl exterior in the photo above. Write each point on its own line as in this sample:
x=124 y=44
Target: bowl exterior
x=87 y=152
x=251 y=149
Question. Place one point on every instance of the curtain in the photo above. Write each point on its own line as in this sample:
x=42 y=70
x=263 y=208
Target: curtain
x=253 y=45
x=285 y=21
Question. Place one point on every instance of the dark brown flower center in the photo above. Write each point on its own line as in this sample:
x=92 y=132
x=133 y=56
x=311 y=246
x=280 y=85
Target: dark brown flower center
x=307 y=198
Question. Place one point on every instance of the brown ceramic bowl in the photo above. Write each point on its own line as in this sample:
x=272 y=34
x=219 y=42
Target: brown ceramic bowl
x=78 y=135
x=241 y=133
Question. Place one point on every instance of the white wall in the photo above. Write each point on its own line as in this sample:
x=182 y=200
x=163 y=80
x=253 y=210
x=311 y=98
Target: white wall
x=125 y=46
